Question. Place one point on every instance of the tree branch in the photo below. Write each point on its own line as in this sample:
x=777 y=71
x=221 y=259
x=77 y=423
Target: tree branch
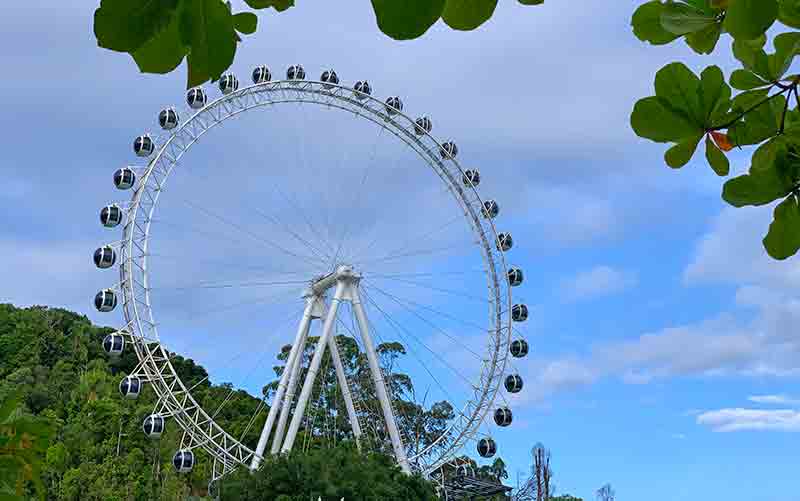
x=745 y=112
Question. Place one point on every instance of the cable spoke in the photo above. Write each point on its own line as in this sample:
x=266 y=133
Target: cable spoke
x=437 y=289
x=429 y=323
x=202 y=285
x=255 y=237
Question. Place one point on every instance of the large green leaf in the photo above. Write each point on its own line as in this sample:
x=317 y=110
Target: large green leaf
x=406 y=19
x=786 y=48
x=789 y=13
x=279 y=5
x=162 y=53
x=705 y=40
x=680 y=154
x=783 y=238
x=715 y=96
x=677 y=86
x=125 y=25
x=762 y=121
x=752 y=57
x=207 y=29
x=762 y=185
x=716 y=158
x=467 y=14
x=680 y=18
x=653 y=120
x=747 y=80
x=749 y=19
x=245 y=22
x=765 y=157
x=646 y=22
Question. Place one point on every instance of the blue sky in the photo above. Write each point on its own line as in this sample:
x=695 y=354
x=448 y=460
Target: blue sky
x=663 y=361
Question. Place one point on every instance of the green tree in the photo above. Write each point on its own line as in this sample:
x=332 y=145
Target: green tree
x=331 y=474
x=23 y=445
x=687 y=108
x=160 y=34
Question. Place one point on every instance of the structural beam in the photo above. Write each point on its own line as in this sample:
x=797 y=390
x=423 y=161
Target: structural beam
x=313 y=367
x=294 y=358
x=380 y=384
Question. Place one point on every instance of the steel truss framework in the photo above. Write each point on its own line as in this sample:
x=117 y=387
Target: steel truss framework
x=140 y=331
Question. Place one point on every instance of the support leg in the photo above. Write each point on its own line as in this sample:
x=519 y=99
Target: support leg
x=277 y=440
x=294 y=357
x=380 y=385
x=313 y=368
x=346 y=395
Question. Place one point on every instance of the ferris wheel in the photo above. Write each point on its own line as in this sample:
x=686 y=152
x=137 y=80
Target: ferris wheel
x=365 y=281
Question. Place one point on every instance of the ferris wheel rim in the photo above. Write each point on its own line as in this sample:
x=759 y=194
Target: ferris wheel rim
x=150 y=348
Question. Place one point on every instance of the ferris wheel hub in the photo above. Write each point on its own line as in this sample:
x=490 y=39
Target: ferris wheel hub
x=344 y=272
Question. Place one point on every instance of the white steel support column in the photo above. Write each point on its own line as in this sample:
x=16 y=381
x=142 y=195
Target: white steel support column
x=313 y=367
x=348 y=398
x=302 y=331
x=280 y=428
x=380 y=385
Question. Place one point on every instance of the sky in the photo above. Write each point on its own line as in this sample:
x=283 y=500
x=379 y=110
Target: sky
x=662 y=361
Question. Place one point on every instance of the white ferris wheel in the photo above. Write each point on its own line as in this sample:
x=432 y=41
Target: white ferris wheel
x=430 y=272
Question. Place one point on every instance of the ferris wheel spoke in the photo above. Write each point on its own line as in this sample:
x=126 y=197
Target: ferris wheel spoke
x=409 y=243
x=276 y=299
x=235 y=392
x=234 y=264
x=254 y=236
x=320 y=253
x=436 y=354
x=399 y=330
x=393 y=258
x=424 y=319
x=323 y=240
x=233 y=285
x=299 y=128
x=366 y=169
x=432 y=274
x=435 y=311
x=436 y=289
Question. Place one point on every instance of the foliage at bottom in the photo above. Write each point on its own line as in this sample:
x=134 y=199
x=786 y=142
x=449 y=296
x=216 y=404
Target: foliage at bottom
x=341 y=472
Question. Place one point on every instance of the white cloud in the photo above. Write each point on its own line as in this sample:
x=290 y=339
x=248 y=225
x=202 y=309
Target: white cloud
x=717 y=347
x=774 y=400
x=738 y=419
x=596 y=282
x=732 y=252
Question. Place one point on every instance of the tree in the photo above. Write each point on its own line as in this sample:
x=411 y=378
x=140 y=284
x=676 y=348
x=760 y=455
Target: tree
x=160 y=34
x=566 y=497
x=539 y=486
x=23 y=445
x=605 y=493
x=331 y=474
x=687 y=108
x=327 y=422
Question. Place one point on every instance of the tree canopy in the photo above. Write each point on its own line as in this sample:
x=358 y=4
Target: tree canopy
x=329 y=473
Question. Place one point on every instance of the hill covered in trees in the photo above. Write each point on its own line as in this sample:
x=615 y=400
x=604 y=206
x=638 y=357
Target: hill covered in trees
x=53 y=362
x=64 y=423
x=55 y=373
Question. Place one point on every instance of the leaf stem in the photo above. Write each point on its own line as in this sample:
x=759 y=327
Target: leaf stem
x=745 y=112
